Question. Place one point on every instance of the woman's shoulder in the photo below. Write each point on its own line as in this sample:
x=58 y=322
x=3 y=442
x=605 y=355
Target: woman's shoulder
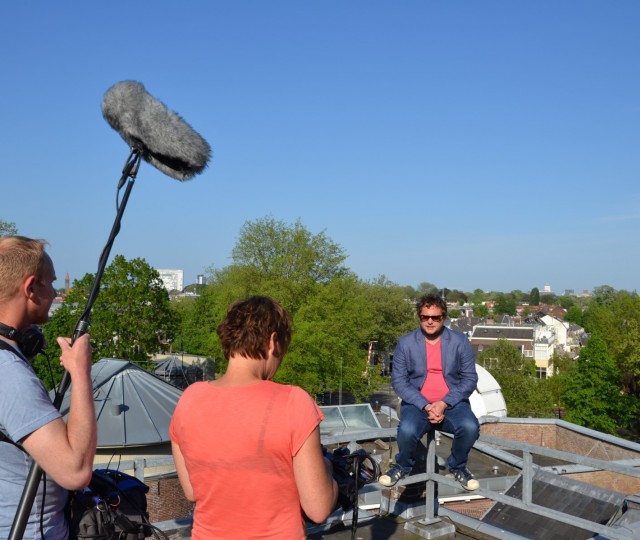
x=293 y=392
x=196 y=388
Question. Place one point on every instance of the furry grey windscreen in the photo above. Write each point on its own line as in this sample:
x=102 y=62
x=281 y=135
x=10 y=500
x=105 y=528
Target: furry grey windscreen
x=163 y=138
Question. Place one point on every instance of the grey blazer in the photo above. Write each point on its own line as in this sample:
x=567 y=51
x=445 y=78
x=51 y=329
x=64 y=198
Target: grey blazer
x=410 y=367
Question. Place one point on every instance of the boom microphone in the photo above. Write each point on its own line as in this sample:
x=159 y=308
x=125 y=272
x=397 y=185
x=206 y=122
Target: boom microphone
x=161 y=136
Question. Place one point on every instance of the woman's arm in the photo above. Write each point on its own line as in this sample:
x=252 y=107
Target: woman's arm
x=313 y=473
x=181 y=469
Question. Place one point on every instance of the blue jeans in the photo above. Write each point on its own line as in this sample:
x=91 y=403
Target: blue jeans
x=459 y=420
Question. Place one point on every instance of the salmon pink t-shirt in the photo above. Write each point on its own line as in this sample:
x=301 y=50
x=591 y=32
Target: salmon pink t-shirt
x=434 y=387
x=238 y=444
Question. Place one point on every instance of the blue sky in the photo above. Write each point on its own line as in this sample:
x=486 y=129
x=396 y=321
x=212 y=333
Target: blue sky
x=471 y=144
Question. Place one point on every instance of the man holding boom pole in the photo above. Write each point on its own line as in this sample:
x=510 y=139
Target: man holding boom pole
x=31 y=428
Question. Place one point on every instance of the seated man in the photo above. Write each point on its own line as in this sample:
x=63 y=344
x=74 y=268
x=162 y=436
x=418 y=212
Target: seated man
x=434 y=373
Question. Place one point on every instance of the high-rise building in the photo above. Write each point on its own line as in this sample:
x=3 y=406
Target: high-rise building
x=173 y=280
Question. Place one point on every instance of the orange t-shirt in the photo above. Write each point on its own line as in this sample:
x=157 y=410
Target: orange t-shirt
x=238 y=445
x=434 y=387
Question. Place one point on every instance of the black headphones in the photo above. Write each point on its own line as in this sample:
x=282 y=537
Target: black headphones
x=30 y=340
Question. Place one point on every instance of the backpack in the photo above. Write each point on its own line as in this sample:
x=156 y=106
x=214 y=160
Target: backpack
x=113 y=507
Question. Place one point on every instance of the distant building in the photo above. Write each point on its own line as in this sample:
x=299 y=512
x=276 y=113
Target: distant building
x=173 y=280
x=200 y=279
x=56 y=304
x=536 y=341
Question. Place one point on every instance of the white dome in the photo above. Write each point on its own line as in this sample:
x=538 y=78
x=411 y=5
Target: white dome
x=487 y=399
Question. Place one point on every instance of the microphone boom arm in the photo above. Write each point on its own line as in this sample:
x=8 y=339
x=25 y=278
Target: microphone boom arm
x=129 y=172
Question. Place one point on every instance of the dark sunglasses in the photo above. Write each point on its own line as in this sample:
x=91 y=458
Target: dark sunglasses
x=434 y=318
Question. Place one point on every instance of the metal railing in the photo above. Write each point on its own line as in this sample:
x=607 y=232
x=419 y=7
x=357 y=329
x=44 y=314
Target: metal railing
x=486 y=444
x=528 y=469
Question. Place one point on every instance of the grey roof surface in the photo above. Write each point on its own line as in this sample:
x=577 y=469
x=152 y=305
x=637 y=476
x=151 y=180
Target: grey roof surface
x=561 y=494
x=173 y=370
x=133 y=407
x=507 y=332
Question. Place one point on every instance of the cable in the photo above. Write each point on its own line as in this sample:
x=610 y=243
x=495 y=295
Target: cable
x=44 y=491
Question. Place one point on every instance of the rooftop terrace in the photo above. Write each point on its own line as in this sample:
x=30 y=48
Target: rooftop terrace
x=539 y=478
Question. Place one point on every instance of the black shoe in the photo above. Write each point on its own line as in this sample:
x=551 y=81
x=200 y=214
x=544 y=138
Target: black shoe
x=466 y=479
x=391 y=477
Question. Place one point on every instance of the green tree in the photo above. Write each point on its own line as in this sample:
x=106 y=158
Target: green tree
x=567 y=302
x=273 y=252
x=556 y=382
x=548 y=299
x=286 y=262
x=592 y=394
x=131 y=318
x=425 y=288
x=515 y=374
x=7 y=228
x=574 y=315
x=505 y=305
x=615 y=318
x=392 y=314
x=480 y=310
x=519 y=296
x=335 y=315
x=329 y=346
x=534 y=297
x=409 y=292
x=477 y=297
x=603 y=295
x=457 y=296
x=192 y=334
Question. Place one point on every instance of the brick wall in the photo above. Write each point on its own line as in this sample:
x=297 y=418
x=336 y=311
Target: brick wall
x=165 y=500
x=609 y=480
x=570 y=441
x=566 y=440
x=558 y=438
x=544 y=435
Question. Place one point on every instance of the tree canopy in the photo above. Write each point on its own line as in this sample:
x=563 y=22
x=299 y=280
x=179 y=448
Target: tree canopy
x=335 y=315
x=505 y=304
x=288 y=257
x=131 y=318
x=592 y=394
x=7 y=228
x=614 y=316
x=534 y=297
x=515 y=374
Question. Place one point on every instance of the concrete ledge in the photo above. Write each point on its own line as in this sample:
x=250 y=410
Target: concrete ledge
x=435 y=528
x=175 y=529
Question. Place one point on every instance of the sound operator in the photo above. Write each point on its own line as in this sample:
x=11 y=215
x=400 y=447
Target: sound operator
x=31 y=428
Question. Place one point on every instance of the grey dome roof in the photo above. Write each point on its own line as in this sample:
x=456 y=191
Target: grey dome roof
x=133 y=406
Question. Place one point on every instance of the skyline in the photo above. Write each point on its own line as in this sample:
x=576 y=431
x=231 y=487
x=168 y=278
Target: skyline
x=489 y=145
x=170 y=276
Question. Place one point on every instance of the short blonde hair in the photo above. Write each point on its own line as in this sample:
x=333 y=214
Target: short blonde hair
x=19 y=257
